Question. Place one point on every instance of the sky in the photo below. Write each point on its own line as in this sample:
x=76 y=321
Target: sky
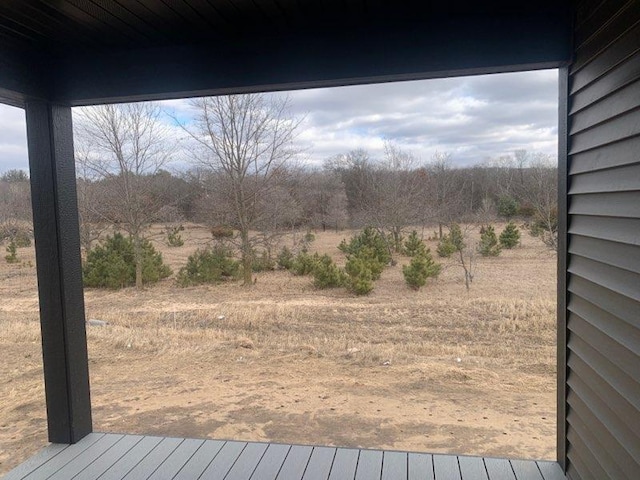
x=471 y=118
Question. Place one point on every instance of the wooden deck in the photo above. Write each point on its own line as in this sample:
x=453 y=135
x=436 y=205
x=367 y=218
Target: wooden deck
x=135 y=457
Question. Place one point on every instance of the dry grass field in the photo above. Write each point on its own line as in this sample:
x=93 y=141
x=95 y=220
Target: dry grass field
x=439 y=370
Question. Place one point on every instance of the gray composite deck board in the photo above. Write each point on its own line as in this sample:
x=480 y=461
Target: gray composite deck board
x=109 y=458
x=68 y=454
x=296 y=463
x=446 y=467
x=551 y=471
x=224 y=460
x=136 y=457
x=344 y=464
x=90 y=455
x=369 y=465
x=178 y=458
x=320 y=464
x=499 y=469
x=526 y=470
x=247 y=462
x=154 y=459
x=271 y=462
x=473 y=467
x=420 y=466
x=42 y=457
x=394 y=465
x=129 y=460
x=200 y=460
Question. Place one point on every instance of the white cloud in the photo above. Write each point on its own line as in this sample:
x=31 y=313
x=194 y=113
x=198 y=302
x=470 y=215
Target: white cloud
x=13 y=139
x=473 y=118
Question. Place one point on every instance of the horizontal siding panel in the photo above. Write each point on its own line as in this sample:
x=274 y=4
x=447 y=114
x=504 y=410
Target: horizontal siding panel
x=612 y=375
x=623 y=358
x=589 y=465
x=622 y=101
x=615 y=279
x=616 y=462
x=615 y=204
x=583 y=398
x=620 y=128
x=576 y=468
x=591 y=15
x=625 y=15
x=618 y=255
x=620 y=179
x=603 y=464
x=621 y=230
x=618 y=330
x=624 y=47
x=623 y=308
x=623 y=74
x=607 y=156
x=603 y=244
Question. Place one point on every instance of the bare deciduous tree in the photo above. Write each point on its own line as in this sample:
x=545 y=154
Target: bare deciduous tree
x=444 y=197
x=394 y=198
x=126 y=146
x=540 y=191
x=247 y=141
x=15 y=204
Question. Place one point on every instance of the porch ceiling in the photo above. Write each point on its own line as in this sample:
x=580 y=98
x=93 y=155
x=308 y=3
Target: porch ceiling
x=88 y=51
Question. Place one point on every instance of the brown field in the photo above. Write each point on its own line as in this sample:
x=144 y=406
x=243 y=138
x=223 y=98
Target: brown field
x=439 y=370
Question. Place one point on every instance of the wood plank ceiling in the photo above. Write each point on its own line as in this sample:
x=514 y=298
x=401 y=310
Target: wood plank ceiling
x=104 y=23
x=90 y=24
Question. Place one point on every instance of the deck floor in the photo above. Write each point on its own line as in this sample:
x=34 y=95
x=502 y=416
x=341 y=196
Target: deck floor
x=135 y=457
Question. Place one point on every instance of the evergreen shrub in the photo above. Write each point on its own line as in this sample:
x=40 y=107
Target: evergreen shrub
x=326 y=274
x=12 y=251
x=303 y=263
x=285 y=258
x=360 y=280
x=209 y=266
x=510 y=236
x=421 y=268
x=111 y=264
x=174 y=239
x=507 y=207
x=413 y=245
x=451 y=242
x=489 y=246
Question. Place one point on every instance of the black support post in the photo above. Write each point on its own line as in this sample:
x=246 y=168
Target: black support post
x=563 y=253
x=57 y=242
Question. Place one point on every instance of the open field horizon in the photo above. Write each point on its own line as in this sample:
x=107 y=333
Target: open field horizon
x=439 y=370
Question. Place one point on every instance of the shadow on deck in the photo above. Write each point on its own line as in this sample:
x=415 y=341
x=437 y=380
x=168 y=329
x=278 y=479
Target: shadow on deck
x=135 y=457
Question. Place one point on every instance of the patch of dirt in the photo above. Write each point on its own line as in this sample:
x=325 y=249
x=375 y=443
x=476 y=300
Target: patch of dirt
x=439 y=370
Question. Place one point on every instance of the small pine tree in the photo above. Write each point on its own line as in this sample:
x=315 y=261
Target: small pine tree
x=209 y=266
x=510 y=236
x=507 y=207
x=360 y=279
x=303 y=263
x=489 y=246
x=262 y=262
x=174 y=239
x=413 y=245
x=111 y=264
x=368 y=238
x=285 y=258
x=12 y=251
x=421 y=267
x=451 y=242
x=326 y=274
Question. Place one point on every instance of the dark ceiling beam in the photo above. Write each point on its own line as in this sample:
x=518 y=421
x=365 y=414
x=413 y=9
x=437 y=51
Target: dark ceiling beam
x=441 y=47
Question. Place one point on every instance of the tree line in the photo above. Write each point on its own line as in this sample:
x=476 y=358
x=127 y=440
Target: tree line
x=245 y=177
